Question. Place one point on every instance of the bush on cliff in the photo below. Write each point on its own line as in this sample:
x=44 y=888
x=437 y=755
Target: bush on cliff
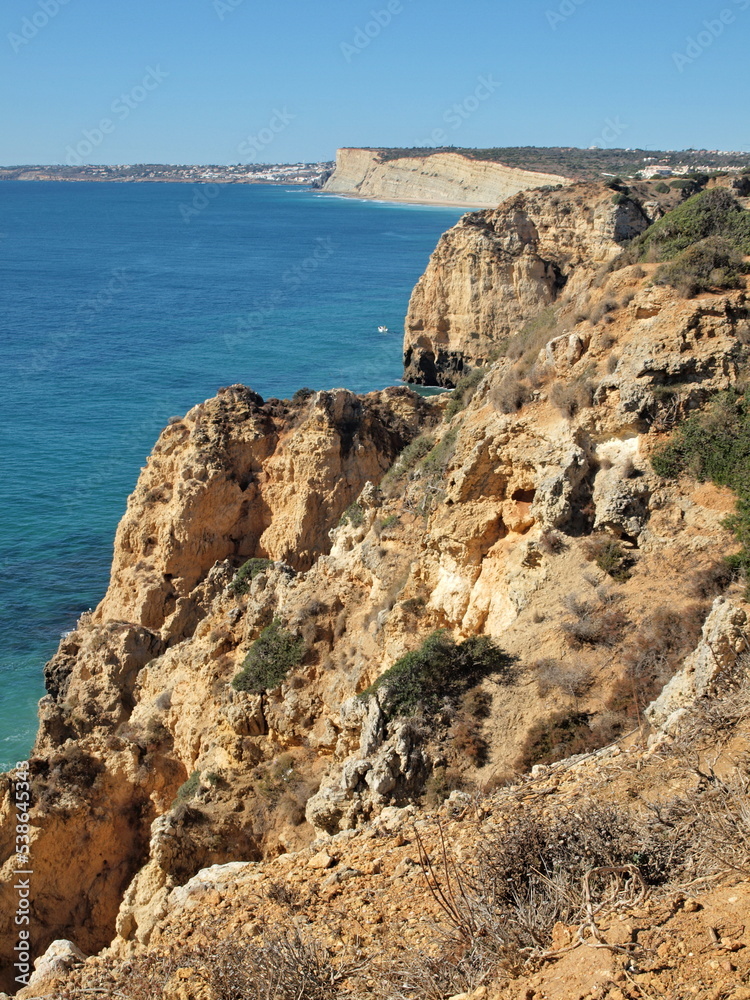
x=462 y=394
x=711 y=213
x=247 y=573
x=270 y=658
x=441 y=668
x=712 y=263
x=715 y=445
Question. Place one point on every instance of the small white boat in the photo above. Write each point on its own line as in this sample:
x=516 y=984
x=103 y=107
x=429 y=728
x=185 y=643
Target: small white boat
x=382 y=329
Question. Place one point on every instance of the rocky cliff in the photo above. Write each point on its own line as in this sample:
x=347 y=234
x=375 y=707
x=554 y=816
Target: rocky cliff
x=445 y=178
x=521 y=521
x=495 y=270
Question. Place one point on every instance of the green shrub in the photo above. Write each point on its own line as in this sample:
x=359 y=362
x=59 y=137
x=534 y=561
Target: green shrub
x=270 y=658
x=406 y=462
x=441 y=668
x=389 y=522
x=560 y=735
x=302 y=395
x=465 y=389
x=711 y=263
x=247 y=573
x=609 y=556
x=662 y=188
x=681 y=184
x=437 y=459
x=188 y=788
x=711 y=213
x=354 y=515
x=715 y=445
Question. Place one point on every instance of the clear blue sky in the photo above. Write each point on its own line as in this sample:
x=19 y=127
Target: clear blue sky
x=556 y=72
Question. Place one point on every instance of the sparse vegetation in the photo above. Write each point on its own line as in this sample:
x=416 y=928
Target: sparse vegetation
x=441 y=668
x=188 y=788
x=270 y=658
x=463 y=392
x=389 y=522
x=440 y=784
x=571 y=397
x=511 y=393
x=560 y=735
x=609 y=556
x=700 y=244
x=353 y=515
x=247 y=573
x=715 y=445
x=712 y=263
x=405 y=463
x=592 y=624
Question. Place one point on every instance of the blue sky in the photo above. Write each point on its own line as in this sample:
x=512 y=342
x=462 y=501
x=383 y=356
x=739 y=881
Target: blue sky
x=227 y=81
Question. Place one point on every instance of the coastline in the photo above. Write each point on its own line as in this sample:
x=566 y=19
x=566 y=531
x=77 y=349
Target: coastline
x=470 y=206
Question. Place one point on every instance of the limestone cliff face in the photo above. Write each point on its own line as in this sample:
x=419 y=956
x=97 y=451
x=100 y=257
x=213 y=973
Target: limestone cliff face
x=130 y=708
x=443 y=178
x=494 y=270
x=218 y=485
x=484 y=527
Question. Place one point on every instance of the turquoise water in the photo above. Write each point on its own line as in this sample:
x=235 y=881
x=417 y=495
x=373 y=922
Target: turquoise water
x=115 y=314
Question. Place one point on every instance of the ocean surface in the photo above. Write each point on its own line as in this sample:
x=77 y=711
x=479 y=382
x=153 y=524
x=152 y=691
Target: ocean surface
x=122 y=305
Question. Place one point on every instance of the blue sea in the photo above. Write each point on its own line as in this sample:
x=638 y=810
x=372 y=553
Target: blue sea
x=120 y=307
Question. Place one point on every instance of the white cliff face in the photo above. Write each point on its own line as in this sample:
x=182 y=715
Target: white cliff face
x=442 y=178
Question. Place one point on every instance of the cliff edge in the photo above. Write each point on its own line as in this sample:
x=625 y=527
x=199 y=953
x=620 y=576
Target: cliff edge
x=342 y=630
x=444 y=178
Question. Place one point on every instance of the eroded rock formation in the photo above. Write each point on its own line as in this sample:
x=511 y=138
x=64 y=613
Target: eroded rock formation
x=497 y=269
x=155 y=768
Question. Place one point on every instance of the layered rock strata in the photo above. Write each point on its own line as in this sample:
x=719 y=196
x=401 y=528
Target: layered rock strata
x=444 y=178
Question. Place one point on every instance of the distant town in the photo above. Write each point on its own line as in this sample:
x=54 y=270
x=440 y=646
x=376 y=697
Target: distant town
x=312 y=174
x=577 y=164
